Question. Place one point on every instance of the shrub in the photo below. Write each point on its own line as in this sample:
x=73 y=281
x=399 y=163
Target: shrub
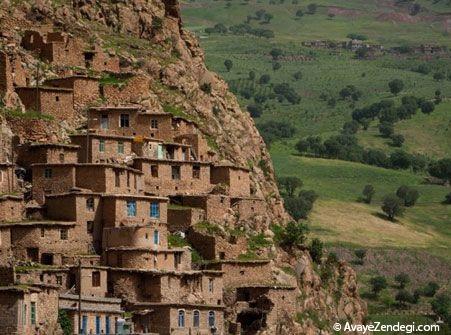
x=255 y=110
x=403 y=297
x=408 y=195
x=448 y=199
x=427 y=107
x=430 y=289
x=290 y=184
x=264 y=79
x=356 y=36
x=402 y=279
x=228 y=64
x=65 y=323
x=400 y=159
x=397 y=140
x=297 y=75
x=368 y=193
x=276 y=53
x=441 y=169
x=206 y=87
x=396 y=86
x=386 y=129
x=316 y=250
x=360 y=254
x=392 y=206
x=294 y=234
x=311 y=8
x=441 y=306
x=378 y=283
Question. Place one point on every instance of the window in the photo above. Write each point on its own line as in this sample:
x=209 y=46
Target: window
x=131 y=208
x=33 y=312
x=120 y=147
x=104 y=122
x=156 y=237
x=154 y=124
x=117 y=179
x=48 y=173
x=84 y=325
x=196 y=319
x=155 y=210
x=175 y=172
x=124 y=121
x=196 y=171
x=42 y=232
x=211 y=319
x=95 y=278
x=90 y=204
x=57 y=98
x=97 y=325
x=24 y=314
x=107 y=325
x=181 y=320
x=61 y=156
x=210 y=285
x=128 y=178
x=154 y=171
x=101 y=145
x=59 y=280
x=90 y=227
x=63 y=234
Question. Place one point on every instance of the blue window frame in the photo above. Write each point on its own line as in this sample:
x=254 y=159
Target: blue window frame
x=131 y=208
x=84 y=325
x=102 y=145
x=107 y=325
x=33 y=312
x=156 y=237
x=155 y=210
x=196 y=319
x=181 y=320
x=97 y=325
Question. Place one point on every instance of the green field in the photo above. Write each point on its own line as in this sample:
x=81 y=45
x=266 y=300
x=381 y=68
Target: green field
x=338 y=218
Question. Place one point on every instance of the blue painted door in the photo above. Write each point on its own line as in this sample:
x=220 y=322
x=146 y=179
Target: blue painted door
x=84 y=325
x=97 y=325
x=107 y=325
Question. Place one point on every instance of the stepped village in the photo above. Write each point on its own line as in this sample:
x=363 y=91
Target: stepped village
x=85 y=224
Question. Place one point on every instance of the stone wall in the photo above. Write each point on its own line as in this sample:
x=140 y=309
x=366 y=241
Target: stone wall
x=12 y=208
x=85 y=89
x=237 y=180
x=133 y=90
x=181 y=219
x=244 y=273
x=217 y=247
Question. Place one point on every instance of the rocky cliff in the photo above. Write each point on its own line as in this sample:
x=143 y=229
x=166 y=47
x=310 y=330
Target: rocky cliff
x=149 y=38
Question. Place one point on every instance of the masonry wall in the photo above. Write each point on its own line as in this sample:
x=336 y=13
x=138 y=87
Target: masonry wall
x=6 y=79
x=198 y=144
x=86 y=89
x=58 y=277
x=236 y=179
x=5 y=247
x=180 y=219
x=244 y=273
x=135 y=236
x=10 y=303
x=8 y=180
x=248 y=208
x=11 y=209
x=147 y=259
x=45 y=154
x=61 y=180
x=134 y=90
x=217 y=247
x=164 y=184
x=216 y=207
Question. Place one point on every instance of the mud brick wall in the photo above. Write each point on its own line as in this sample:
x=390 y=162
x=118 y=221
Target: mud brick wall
x=216 y=247
x=54 y=277
x=146 y=259
x=244 y=273
x=8 y=180
x=165 y=185
x=86 y=89
x=28 y=155
x=215 y=206
x=197 y=142
x=6 y=78
x=33 y=130
x=10 y=304
x=135 y=236
x=133 y=90
x=11 y=209
x=62 y=180
x=248 y=208
x=5 y=247
x=236 y=179
x=115 y=211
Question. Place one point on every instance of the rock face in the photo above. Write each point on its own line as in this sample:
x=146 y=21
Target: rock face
x=150 y=40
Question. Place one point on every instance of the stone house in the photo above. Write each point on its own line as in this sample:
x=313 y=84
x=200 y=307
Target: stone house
x=130 y=88
x=52 y=101
x=45 y=152
x=100 y=148
x=100 y=61
x=170 y=176
x=235 y=178
x=100 y=315
x=12 y=73
x=131 y=121
x=217 y=247
x=178 y=319
x=215 y=206
x=56 y=48
x=181 y=218
x=198 y=145
x=85 y=88
x=103 y=178
x=28 y=310
x=248 y=207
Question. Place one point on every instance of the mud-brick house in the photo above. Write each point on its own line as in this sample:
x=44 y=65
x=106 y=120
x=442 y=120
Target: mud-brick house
x=103 y=148
x=57 y=48
x=178 y=318
x=181 y=218
x=46 y=152
x=8 y=179
x=28 y=309
x=198 y=144
x=215 y=247
x=130 y=121
x=12 y=208
x=11 y=73
x=45 y=242
x=170 y=176
x=260 y=305
x=235 y=178
x=53 y=101
x=214 y=206
x=103 y=178
x=100 y=61
x=99 y=315
x=85 y=88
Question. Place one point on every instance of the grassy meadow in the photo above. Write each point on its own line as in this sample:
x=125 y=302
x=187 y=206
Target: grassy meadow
x=339 y=218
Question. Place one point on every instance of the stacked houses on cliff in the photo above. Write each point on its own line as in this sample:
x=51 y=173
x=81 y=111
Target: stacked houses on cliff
x=91 y=239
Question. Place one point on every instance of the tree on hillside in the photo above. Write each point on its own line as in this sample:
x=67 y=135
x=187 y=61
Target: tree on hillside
x=264 y=79
x=268 y=17
x=400 y=159
x=403 y=297
x=408 y=194
x=294 y=234
x=378 y=283
x=290 y=184
x=427 y=107
x=312 y=8
x=276 y=53
x=441 y=169
x=441 y=306
x=228 y=64
x=447 y=199
x=396 y=86
x=402 y=279
x=397 y=140
x=392 y=206
x=276 y=66
x=299 y=13
x=430 y=289
x=360 y=254
x=386 y=129
x=297 y=75
x=439 y=76
x=251 y=75
x=368 y=193
x=255 y=110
